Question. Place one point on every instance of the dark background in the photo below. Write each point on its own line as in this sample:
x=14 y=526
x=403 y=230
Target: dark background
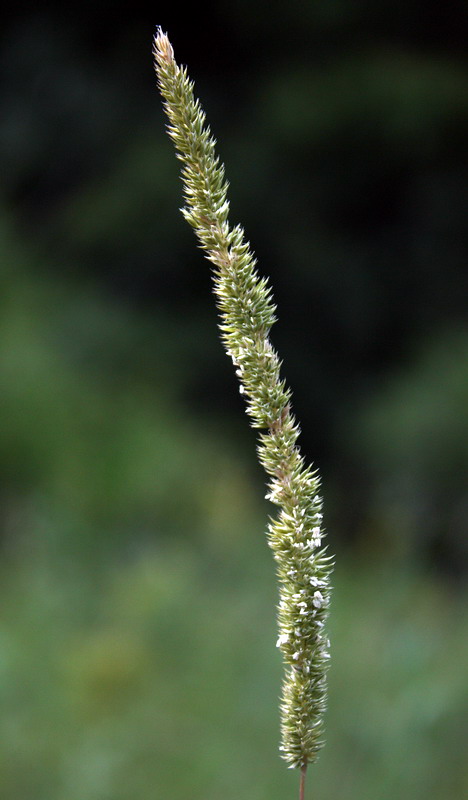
x=132 y=515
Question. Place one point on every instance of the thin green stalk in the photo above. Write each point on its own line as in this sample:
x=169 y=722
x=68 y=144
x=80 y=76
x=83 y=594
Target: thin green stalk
x=247 y=312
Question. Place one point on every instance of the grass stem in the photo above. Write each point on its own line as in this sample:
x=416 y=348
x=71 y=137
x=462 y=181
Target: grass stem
x=302 y=782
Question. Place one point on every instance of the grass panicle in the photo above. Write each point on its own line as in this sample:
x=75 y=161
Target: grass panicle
x=247 y=313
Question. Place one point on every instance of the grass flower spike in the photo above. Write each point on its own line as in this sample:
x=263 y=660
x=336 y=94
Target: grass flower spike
x=247 y=312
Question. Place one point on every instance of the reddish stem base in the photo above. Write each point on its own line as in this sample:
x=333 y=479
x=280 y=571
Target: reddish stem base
x=302 y=783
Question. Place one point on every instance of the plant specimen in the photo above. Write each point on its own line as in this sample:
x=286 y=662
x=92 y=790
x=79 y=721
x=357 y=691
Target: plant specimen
x=247 y=313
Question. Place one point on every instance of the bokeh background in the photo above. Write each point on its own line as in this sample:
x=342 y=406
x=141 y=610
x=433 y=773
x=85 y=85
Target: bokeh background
x=137 y=631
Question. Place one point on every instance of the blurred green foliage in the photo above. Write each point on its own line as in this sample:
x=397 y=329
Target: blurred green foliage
x=159 y=677
x=137 y=592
